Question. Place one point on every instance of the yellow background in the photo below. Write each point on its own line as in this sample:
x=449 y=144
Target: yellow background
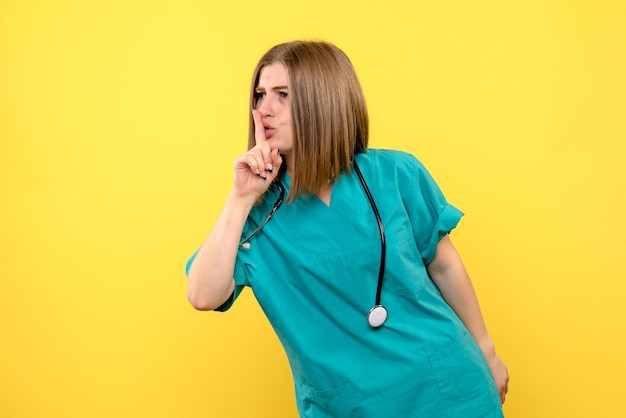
x=119 y=122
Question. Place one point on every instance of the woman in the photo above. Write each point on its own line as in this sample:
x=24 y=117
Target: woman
x=351 y=216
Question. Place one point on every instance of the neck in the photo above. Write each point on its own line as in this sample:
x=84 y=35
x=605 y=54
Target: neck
x=289 y=163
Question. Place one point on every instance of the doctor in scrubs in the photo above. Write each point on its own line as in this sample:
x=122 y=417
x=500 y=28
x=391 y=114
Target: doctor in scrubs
x=347 y=251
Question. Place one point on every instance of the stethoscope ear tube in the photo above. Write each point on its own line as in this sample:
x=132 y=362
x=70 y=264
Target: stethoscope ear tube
x=378 y=314
x=245 y=242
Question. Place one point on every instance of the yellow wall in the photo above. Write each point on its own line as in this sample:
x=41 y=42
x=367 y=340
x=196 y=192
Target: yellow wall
x=119 y=122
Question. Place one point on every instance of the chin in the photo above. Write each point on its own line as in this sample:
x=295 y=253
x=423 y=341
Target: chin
x=277 y=143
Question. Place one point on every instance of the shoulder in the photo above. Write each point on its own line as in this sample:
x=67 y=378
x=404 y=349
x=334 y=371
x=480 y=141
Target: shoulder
x=391 y=161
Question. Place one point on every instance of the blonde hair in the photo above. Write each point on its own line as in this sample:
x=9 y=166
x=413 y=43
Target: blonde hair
x=328 y=111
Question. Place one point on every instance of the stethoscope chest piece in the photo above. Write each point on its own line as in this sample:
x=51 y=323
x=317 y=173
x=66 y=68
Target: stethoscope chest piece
x=377 y=316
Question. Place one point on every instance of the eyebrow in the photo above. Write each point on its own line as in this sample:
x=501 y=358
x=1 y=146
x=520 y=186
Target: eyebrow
x=273 y=88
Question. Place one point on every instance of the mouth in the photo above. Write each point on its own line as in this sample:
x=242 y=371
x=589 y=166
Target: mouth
x=269 y=130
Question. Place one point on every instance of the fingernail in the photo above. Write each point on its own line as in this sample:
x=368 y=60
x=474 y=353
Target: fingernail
x=258 y=173
x=269 y=167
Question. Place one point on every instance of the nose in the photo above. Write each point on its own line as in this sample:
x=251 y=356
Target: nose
x=265 y=107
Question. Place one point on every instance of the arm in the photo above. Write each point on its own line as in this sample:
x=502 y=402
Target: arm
x=210 y=279
x=450 y=276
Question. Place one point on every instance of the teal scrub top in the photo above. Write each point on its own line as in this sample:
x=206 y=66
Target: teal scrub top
x=314 y=270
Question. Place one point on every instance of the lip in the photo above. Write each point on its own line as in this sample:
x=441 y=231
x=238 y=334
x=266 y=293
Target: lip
x=269 y=130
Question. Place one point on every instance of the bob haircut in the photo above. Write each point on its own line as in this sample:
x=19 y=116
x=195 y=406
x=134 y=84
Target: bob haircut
x=328 y=112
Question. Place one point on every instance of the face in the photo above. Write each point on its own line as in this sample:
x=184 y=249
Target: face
x=272 y=102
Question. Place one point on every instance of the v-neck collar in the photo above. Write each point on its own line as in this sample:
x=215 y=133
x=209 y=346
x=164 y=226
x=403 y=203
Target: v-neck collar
x=287 y=183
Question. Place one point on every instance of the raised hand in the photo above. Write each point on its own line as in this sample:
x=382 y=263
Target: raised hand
x=255 y=170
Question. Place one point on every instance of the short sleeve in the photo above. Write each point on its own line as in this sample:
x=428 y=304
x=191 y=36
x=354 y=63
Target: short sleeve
x=432 y=217
x=240 y=281
x=245 y=264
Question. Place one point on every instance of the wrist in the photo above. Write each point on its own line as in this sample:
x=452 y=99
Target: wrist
x=487 y=347
x=246 y=201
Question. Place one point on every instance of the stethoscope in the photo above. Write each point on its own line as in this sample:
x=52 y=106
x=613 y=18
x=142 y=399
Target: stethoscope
x=378 y=314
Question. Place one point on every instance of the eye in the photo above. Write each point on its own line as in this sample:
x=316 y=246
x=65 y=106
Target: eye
x=284 y=94
x=259 y=95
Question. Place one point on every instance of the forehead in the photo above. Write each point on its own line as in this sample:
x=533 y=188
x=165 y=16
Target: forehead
x=273 y=75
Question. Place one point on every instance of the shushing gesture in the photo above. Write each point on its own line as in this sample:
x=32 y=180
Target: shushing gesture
x=256 y=169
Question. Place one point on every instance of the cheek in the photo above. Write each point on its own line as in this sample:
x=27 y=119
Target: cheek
x=286 y=121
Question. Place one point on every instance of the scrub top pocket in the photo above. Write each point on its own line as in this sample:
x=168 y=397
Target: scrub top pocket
x=467 y=387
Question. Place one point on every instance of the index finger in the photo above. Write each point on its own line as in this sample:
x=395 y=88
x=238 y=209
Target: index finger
x=259 y=129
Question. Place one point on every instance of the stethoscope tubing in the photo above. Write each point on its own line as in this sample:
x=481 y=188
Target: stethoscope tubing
x=378 y=314
x=244 y=243
x=381 y=228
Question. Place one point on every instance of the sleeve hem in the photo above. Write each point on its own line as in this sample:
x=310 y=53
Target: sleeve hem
x=448 y=220
x=239 y=286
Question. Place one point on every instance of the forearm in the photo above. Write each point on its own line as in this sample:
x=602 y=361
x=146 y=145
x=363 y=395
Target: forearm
x=453 y=281
x=450 y=276
x=210 y=278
